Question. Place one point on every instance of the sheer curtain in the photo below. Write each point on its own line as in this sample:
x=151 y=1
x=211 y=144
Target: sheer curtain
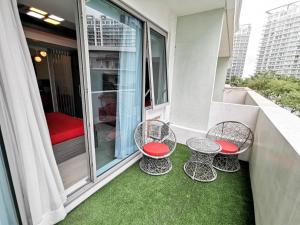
x=61 y=61
x=24 y=127
x=129 y=99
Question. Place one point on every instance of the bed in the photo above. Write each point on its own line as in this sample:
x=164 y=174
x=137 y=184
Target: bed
x=67 y=135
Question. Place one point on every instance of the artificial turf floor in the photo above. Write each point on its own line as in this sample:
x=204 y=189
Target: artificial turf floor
x=134 y=198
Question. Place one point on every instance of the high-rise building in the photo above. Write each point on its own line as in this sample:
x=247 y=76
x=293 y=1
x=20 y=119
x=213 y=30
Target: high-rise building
x=280 y=46
x=240 y=46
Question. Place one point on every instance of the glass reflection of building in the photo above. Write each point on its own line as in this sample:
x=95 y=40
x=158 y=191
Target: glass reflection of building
x=104 y=31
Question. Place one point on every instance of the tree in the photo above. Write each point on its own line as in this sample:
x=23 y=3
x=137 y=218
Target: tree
x=291 y=101
x=235 y=81
x=282 y=89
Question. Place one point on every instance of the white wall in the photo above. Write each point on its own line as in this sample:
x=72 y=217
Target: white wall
x=274 y=161
x=254 y=98
x=197 y=47
x=235 y=95
x=245 y=96
x=249 y=100
x=275 y=167
x=246 y=114
x=161 y=14
x=220 y=79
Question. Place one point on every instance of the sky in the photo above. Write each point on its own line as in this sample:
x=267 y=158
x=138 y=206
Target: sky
x=254 y=12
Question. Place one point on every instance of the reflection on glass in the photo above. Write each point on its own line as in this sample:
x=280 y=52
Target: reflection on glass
x=7 y=206
x=158 y=51
x=147 y=85
x=115 y=51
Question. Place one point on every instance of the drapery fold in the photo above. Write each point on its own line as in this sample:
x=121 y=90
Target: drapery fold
x=24 y=126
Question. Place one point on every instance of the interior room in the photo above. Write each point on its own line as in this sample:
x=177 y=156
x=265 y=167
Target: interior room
x=51 y=37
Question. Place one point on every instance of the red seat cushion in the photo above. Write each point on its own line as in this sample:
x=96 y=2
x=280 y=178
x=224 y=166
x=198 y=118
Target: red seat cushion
x=156 y=149
x=228 y=147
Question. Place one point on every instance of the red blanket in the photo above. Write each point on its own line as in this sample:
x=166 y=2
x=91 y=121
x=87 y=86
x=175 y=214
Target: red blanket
x=63 y=127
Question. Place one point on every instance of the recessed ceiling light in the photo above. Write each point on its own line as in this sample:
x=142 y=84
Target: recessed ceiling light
x=37 y=59
x=54 y=22
x=43 y=53
x=34 y=14
x=56 y=18
x=38 y=11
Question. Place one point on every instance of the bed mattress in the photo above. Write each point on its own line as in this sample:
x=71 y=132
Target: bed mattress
x=63 y=127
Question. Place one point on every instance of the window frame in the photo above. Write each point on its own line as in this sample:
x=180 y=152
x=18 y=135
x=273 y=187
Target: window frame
x=149 y=26
x=150 y=81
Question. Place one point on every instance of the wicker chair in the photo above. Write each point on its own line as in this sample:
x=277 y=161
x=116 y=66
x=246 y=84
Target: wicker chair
x=234 y=138
x=156 y=141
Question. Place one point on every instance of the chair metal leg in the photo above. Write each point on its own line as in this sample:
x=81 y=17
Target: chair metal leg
x=226 y=163
x=155 y=166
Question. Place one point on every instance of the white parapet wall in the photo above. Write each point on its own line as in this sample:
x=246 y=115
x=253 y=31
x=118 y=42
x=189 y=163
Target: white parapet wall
x=275 y=157
x=275 y=165
x=235 y=95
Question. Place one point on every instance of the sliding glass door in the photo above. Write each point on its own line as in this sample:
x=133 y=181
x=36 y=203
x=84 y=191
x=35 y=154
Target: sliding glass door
x=8 y=213
x=115 y=40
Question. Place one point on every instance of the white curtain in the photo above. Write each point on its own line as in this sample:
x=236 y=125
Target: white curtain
x=129 y=100
x=23 y=124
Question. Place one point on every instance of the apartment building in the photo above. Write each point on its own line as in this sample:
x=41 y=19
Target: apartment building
x=240 y=46
x=280 y=44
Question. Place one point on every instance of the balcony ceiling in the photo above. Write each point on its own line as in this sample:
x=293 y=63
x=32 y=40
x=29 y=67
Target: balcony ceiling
x=179 y=7
x=187 y=7
x=61 y=8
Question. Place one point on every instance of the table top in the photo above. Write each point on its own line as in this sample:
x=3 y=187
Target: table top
x=203 y=145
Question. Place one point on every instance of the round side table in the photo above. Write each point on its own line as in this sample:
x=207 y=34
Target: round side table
x=199 y=167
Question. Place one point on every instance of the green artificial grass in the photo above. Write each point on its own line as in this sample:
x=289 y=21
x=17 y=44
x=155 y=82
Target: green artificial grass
x=135 y=198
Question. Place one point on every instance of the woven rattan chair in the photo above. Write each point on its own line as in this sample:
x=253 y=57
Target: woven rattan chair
x=156 y=140
x=234 y=138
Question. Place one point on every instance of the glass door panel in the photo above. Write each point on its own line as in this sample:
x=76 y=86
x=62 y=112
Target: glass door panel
x=8 y=210
x=159 y=68
x=115 y=41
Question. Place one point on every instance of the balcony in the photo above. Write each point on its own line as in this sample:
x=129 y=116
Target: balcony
x=270 y=172
x=189 y=67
